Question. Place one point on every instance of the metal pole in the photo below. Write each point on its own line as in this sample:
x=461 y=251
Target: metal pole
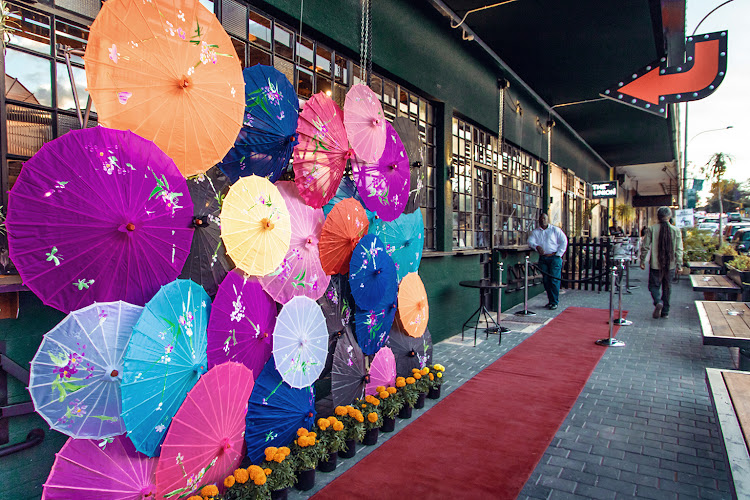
x=620 y=321
x=526 y=311
x=611 y=341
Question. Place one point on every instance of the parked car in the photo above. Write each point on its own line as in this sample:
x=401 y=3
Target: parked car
x=709 y=225
x=732 y=228
x=741 y=240
x=734 y=217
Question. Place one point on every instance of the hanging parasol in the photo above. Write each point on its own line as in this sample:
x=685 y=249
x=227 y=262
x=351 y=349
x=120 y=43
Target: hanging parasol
x=403 y=239
x=349 y=373
x=410 y=352
x=98 y=215
x=409 y=134
x=323 y=150
x=335 y=304
x=255 y=225
x=207 y=263
x=341 y=232
x=169 y=72
x=384 y=183
x=372 y=273
x=241 y=324
x=413 y=307
x=347 y=189
x=299 y=342
x=269 y=130
x=364 y=122
x=165 y=358
x=76 y=373
x=111 y=469
x=275 y=412
x=382 y=371
x=372 y=326
x=300 y=273
x=205 y=441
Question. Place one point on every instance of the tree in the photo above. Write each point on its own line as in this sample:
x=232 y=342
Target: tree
x=715 y=169
x=734 y=193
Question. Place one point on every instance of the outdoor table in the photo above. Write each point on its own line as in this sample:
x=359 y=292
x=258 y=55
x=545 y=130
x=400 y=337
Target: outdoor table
x=726 y=324
x=730 y=394
x=706 y=267
x=711 y=285
x=485 y=287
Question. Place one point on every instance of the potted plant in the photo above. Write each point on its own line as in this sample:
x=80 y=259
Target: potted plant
x=242 y=484
x=724 y=254
x=331 y=435
x=370 y=408
x=391 y=402
x=422 y=384
x=738 y=270
x=410 y=394
x=282 y=468
x=307 y=452
x=354 y=428
x=698 y=244
x=436 y=378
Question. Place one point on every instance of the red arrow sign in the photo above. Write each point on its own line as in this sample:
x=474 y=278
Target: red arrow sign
x=655 y=85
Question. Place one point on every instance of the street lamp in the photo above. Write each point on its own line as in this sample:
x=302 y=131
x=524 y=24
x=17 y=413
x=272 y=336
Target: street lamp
x=685 y=162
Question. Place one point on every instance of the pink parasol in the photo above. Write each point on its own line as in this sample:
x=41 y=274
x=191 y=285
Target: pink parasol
x=384 y=184
x=365 y=123
x=241 y=324
x=109 y=469
x=300 y=273
x=205 y=441
x=323 y=150
x=382 y=371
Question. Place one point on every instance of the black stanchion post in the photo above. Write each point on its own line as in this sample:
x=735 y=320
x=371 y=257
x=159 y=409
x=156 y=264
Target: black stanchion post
x=620 y=321
x=611 y=341
x=526 y=311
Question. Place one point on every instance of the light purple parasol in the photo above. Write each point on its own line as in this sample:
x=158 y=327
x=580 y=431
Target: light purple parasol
x=384 y=184
x=99 y=215
x=300 y=273
x=241 y=324
x=110 y=469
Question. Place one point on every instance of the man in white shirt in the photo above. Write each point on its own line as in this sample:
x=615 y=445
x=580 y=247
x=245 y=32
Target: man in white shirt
x=551 y=243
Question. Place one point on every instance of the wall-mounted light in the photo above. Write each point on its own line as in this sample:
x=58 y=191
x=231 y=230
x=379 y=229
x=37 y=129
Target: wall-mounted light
x=467 y=36
x=519 y=109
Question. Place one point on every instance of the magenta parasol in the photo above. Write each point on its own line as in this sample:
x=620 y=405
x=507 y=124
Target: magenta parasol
x=241 y=324
x=323 y=150
x=300 y=273
x=382 y=371
x=109 y=469
x=99 y=215
x=365 y=123
x=384 y=184
x=205 y=441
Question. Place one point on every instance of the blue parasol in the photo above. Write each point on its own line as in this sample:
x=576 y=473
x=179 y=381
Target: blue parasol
x=372 y=273
x=166 y=356
x=269 y=132
x=348 y=189
x=275 y=412
x=373 y=326
x=404 y=240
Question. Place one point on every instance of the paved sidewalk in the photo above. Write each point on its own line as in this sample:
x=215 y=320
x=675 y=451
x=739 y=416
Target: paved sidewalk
x=642 y=427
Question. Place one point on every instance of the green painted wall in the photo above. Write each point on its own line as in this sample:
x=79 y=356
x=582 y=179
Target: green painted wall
x=22 y=474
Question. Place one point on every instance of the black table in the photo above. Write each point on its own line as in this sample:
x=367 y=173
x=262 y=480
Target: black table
x=485 y=287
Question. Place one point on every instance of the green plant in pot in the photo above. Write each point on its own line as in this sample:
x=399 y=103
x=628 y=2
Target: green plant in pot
x=436 y=377
x=422 y=384
x=307 y=451
x=726 y=249
x=282 y=466
x=244 y=484
x=699 y=245
x=410 y=393
x=332 y=437
x=354 y=428
x=370 y=408
x=740 y=262
x=391 y=402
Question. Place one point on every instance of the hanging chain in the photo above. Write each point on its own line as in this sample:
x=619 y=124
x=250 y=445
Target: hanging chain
x=369 y=42
x=365 y=42
x=362 y=19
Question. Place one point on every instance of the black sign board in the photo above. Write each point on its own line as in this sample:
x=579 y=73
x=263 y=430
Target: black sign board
x=607 y=189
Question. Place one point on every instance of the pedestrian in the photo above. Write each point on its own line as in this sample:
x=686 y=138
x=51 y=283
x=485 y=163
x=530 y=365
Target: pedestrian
x=664 y=242
x=550 y=241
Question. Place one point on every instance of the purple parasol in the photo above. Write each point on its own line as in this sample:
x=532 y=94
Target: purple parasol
x=99 y=215
x=384 y=184
x=241 y=324
x=300 y=273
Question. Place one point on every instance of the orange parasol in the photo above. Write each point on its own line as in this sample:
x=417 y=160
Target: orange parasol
x=413 y=309
x=344 y=227
x=168 y=71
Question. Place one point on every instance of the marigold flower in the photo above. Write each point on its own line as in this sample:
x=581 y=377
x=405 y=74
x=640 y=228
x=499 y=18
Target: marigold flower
x=425 y=370
x=301 y=431
x=254 y=471
x=312 y=434
x=195 y=497
x=241 y=475
x=338 y=426
x=229 y=481
x=440 y=375
x=285 y=450
x=332 y=419
x=414 y=370
x=302 y=441
x=432 y=377
x=359 y=418
x=271 y=452
x=417 y=375
x=372 y=417
x=209 y=490
x=279 y=457
x=267 y=471
x=410 y=380
x=321 y=420
x=392 y=390
x=310 y=441
x=380 y=388
x=260 y=480
x=384 y=394
x=364 y=406
x=400 y=383
x=351 y=411
x=400 y=378
x=439 y=367
x=340 y=411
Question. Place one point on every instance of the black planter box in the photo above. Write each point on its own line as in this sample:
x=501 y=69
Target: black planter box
x=742 y=278
x=351 y=449
x=305 y=480
x=389 y=424
x=721 y=260
x=330 y=464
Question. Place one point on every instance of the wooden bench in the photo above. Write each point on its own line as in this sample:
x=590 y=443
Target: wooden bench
x=730 y=394
x=715 y=287
x=704 y=267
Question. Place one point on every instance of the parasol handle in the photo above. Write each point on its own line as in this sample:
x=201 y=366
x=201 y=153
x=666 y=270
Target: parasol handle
x=199 y=221
x=412 y=354
x=225 y=445
x=130 y=226
x=148 y=491
x=266 y=223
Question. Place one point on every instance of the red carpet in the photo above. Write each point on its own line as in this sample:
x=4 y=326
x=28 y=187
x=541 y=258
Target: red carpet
x=485 y=439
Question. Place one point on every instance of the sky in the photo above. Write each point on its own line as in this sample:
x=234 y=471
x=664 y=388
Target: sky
x=729 y=104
